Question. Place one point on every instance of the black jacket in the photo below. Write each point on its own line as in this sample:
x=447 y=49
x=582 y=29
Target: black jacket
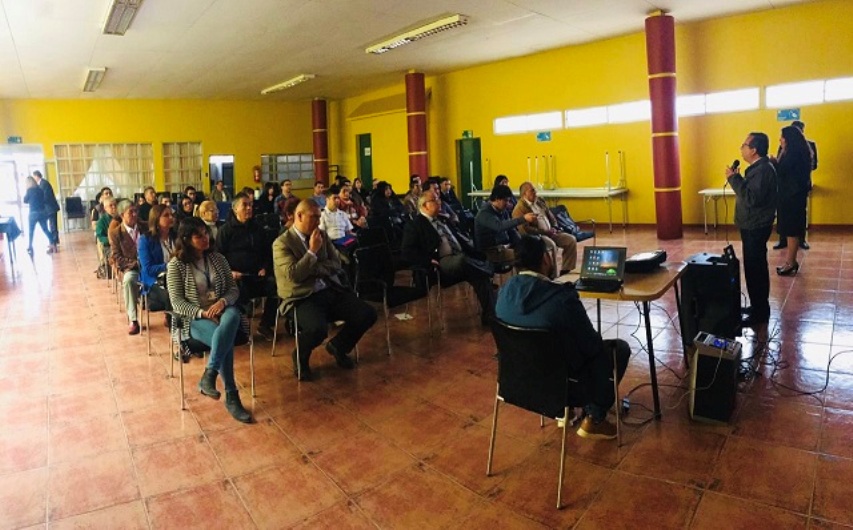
x=420 y=242
x=756 y=193
x=246 y=246
x=492 y=228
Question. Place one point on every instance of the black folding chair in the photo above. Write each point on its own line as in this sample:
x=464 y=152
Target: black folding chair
x=534 y=374
x=374 y=282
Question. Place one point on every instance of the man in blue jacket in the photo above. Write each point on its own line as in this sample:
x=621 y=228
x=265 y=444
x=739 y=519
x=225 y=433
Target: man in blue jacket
x=531 y=299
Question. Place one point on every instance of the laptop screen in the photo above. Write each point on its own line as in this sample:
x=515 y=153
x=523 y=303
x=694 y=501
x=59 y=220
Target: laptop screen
x=603 y=263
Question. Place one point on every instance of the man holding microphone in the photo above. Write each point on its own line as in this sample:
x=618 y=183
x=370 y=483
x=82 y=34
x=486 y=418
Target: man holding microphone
x=755 y=211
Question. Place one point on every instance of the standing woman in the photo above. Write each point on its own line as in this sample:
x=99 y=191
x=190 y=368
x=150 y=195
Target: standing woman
x=155 y=247
x=793 y=173
x=35 y=199
x=203 y=292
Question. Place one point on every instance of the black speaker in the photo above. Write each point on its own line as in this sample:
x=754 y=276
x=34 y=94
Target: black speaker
x=710 y=295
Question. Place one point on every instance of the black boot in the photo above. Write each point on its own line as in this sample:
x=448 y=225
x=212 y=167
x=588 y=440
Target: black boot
x=207 y=385
x=235 y=407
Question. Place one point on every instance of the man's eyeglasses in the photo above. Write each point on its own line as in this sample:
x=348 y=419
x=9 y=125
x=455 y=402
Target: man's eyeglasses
x=745 y=145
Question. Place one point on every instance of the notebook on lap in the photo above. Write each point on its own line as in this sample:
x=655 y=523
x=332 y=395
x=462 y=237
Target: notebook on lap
x=602 y=270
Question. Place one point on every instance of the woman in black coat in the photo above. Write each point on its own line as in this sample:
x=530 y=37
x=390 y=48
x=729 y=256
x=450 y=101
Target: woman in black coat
x=793 y=174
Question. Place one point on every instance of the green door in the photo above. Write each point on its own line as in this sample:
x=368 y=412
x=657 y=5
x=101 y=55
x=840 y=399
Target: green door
x=469 y=169
x=365 y=160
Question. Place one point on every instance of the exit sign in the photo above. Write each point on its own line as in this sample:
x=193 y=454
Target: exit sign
x=15 y=140
x=787 y=114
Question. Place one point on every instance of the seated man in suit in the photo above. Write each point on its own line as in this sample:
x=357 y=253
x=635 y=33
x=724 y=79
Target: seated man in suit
x=546 y=227
x=428 y=242
x=494 y=231
x=123 y=235
x=246 y=246
x=531 y=299
x=307 y=270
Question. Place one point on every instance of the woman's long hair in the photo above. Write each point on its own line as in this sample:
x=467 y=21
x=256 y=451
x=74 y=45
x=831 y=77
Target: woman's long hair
x=184 y=249
x=154 y=221
x=796 y=145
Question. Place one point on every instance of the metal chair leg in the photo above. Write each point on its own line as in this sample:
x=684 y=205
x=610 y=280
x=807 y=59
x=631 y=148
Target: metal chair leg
x=252 y=349
x=296 y=339
x=183 y=395
x=618 y=402
x=494 y=432
x=275 y=331
x=387 y=328
x=562 y=459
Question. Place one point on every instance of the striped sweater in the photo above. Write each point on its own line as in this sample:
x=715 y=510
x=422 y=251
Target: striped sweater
x=183 y=293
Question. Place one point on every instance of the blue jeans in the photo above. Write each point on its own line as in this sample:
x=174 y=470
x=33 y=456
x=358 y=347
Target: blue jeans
x=220 y=338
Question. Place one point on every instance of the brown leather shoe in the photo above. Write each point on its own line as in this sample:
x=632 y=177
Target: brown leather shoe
x=603 y=430
x=134 y=328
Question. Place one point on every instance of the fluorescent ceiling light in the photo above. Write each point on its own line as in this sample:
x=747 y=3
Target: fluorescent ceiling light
x=791 y=94
x=430 y=28
x=301 y=78
x=93 y=79
x=120 y=16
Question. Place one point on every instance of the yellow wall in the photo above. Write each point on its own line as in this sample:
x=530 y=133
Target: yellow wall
x=243 y=129
x=782 y=45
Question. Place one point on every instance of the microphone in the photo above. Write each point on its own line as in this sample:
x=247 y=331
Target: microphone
x=735 y=165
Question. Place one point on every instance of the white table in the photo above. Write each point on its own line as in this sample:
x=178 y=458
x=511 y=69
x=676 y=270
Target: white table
x=714 y=194
x=554 y=195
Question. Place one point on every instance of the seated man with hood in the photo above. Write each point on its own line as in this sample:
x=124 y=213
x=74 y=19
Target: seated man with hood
x=531 y=299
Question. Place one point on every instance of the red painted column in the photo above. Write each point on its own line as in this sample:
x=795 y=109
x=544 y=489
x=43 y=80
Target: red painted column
x=416 y=118
x=319 y=126
x=660 y=52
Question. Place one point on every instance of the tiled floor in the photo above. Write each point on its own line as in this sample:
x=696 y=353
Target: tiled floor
x=91 y=434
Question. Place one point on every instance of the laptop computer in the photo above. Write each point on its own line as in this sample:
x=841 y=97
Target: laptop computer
x=602 y=270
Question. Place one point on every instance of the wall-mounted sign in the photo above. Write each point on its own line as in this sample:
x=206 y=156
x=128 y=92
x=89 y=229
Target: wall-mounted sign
x=15 y=140
x=467 y=134
x=787 y=114
x=366 y=151
x=544 y=136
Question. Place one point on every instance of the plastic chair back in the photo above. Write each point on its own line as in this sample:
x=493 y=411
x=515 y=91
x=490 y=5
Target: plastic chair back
x=533 y=369
x=74 y=208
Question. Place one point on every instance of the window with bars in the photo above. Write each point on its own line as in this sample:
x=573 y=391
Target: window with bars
x=298 y=167
x=182 y=166
x=83 y=169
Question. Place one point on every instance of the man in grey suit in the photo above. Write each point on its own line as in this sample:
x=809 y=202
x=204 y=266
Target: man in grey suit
x=307 y=273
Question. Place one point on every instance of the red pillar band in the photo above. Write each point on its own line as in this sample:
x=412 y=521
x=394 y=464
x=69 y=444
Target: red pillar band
x=319 y=126
x=660 y=52
x=416 y=121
